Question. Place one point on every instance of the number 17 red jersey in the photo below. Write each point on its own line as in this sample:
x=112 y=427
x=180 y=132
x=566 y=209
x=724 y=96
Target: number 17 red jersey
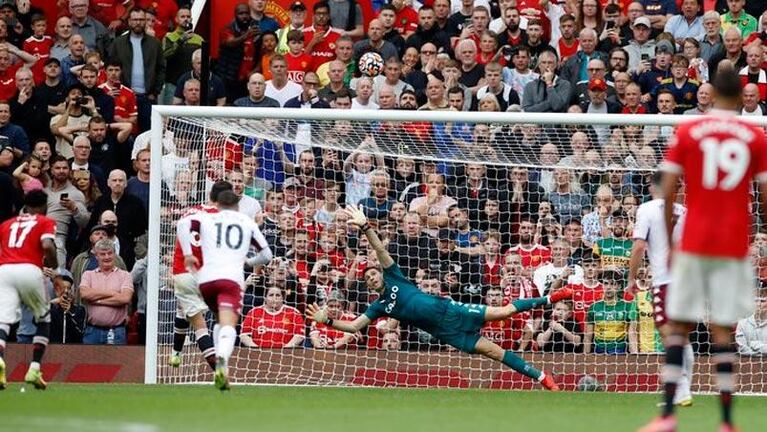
x=719 y=157
x=21 y=239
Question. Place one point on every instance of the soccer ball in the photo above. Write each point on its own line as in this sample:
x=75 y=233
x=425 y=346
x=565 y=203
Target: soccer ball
x=371 y=64
x=588 y=383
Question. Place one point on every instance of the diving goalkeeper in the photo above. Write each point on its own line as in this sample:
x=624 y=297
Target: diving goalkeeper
x=451 y=322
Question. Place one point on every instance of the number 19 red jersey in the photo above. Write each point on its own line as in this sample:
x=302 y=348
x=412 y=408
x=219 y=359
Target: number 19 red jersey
x=21 y=239
x=719 y=156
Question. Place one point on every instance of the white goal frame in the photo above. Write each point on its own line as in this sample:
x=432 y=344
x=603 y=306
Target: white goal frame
x=160 y=112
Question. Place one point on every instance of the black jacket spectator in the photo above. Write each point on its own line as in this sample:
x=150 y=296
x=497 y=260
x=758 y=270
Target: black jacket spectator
x=132 y=222
x=412 y=254
x=154 y=62
x=434 y=35
x=11 y=202
x=31 y=114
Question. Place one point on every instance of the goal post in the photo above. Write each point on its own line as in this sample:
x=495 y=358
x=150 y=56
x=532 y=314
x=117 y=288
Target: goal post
x=572 y=159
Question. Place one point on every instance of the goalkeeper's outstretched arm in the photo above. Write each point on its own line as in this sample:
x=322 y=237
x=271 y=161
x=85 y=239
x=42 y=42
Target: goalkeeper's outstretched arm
x=357 y=217
x=319 y=315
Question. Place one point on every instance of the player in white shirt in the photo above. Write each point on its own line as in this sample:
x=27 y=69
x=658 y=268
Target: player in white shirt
x=226 y=241
x=650 y=236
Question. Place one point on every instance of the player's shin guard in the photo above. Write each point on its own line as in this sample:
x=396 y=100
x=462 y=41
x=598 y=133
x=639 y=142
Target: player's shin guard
x=724 y=359
x=671 y=372
x=225 y=343
x=205 y=343
x=5 y=329
x=40 y=343
x=527 y=304
x=520 y=365
x=180 y=329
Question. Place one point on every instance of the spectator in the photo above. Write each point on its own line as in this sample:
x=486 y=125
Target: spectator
x=567 y=198
x=615 y=250
x=467 y=241
x=297 y=17
x=108 y=141
x=751 y=104
x=236 y=50
x=751 y=332
x=505 y=94
x=406 y=21
x=682 y=88
x=130 y=212
x=376 y=43
x=178 y=47
x=435 y=95
x=391 y=77
x=611 y=323
x=588 y=292
x=548 y=93
x=736 y=17
x=521 y=74
x=92 y=31
x=364 y=93
x=567 y=45
x=595 y=70
x=321 y=36
x=641 y=48
x=143 y=64
x=560 y=333
x=599 y=104
x=65 y=203
x=279 y=87
x=711 y=42
x=432 y=207
x=733 y=52
x=81 y=160
x=38 y=44
x=659 y=11
x=323 y=336
x=86 y=261
x=70 y=63
x=391 y=341
x=574 y=69
x=336 y=71
x=753 y=72
x=273 y=325
x=60 y=47
x=428 y=31
x=256 y=94
x=596 y=223
x=248 y=206
x=500 y=332
x=557 y=273
x=104 y=104
x=67 y=317
x=84 y=182
x=472 y=73
x=15 y=135
x=138 y=185
x=125 y=108
x=106 y=292
x=216 y=89
x=652 y=73
x=28 y=108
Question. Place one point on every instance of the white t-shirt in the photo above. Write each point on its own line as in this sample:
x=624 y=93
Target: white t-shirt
x=284 y=94
x=225 y=240
x=650 y=226
x=544 y=276
x=370 y=105
x=249 y=206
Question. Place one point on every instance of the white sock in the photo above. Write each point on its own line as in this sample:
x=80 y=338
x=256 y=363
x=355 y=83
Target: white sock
x=216 y=329
x=543 y=375
x=225 y=345
x=688 y=365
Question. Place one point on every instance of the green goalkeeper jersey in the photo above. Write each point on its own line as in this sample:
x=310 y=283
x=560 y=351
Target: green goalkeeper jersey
x=403 y=301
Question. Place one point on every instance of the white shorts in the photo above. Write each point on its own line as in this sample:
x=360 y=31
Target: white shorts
x=188 y=294
x=22 y=283
x=725 y=285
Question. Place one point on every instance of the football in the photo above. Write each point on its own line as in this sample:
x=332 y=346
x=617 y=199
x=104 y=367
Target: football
x=371 y=64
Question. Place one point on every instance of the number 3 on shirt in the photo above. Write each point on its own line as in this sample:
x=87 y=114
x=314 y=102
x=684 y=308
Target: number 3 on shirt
x=731 y=156
x=19 y=233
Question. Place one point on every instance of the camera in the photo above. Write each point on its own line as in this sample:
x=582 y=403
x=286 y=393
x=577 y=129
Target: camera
x=187 y=26
x=80 y=101
x=508 y=51
x=610 y=24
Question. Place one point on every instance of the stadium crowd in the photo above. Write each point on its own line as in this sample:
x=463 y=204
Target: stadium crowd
x=546 y=208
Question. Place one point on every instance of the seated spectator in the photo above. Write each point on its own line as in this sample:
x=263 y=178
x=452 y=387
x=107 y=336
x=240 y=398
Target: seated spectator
x=336 y=71
x=504 y=93
x=560 y=333
x=751 y=332
x=568 y=200
x=324 y=336
x=595 y=69
x=67 y=317
x=106 y=292
x=733 y=52
x=273 y=325
x=557 y=273
x=520 y=74
x=364 y=93
x=375 y=42
x=256 y=94
x=751 y=104
x=611 y=323
x=549 y=92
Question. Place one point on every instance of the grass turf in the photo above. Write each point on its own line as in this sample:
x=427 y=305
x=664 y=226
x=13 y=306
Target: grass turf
x=138 y=408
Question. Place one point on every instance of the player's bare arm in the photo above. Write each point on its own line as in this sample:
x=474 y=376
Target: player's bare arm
x=670 y=187
x=49 y=253
x=637 y=256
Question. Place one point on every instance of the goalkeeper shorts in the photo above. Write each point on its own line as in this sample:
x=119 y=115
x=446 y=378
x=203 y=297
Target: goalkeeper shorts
x=460 y=326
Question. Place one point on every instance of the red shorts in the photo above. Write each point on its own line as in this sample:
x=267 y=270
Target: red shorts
x=222 y=294
x=659 y=304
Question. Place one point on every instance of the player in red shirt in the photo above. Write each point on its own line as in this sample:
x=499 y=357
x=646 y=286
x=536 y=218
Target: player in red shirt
x=39 y=44
x=273 y=325
x=26 y=245
x=720 y=156
x=320 y=39
x=324 y=336
x=190 y=306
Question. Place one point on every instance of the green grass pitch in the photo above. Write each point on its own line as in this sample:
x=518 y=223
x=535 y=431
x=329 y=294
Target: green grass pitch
x=138 y=408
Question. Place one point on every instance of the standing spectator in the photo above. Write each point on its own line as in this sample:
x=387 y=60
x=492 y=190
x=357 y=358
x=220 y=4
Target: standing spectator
x=432 y=207
x=104 y=104
x=687 y=24
x=683 y=89
x=138 y=185
x=413 y=248
x=28 y=109
x=659 y=11
x=73 y=121
x=733 y=51
x=248 y=206
x=428 y=31
x=256 y=96
x=391 y=77
x=641 y=48
x=67 y=317
x=611 y=323
x=375 y=43
x=520 y=74
x=81 y=148
x=574 y=69
x=106 y=292
x=308 y=98
x=298 y=61
x=567 y=45
x=279 y=87
x=16 y=136
x=560 y=333
x=273 y=325
x=406 y=21
x=711 y=42
x=501 y=332
x=60 y=47
x=738 y=18
x=751 y=332
x=8 y=70
x=65 y=203
x=76 y=57
x=163 y=11
x=177 y=49
x=549 y=92
x=320 y=38
x=259 y=17
x=567 y=198
x=236 y=50
x=143 y=64
x=130 y=213
x=336 y=71
x=472 y=73
x=346 y=15
x=87 y=260
x=125 y=108
x=216 y=88
x=324 y=336
x=39 y=44
x=557 y=273
x=588 y=292
x=92 y=31
x=297 y=15
x=107 y=140
x=614 y=251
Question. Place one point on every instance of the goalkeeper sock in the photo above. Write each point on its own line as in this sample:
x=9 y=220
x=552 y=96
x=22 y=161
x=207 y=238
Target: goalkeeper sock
x=527 y=304
x=205 y=343
x=724 y=359
x=40 y=341
x=180 y=328
x=671 y=372
x=225 y=343
x=520 y=365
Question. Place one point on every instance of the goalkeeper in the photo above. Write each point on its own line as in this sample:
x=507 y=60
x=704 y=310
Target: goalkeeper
x=451 y=322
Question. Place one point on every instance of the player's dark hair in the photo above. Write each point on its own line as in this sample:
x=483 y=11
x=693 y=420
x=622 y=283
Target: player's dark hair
x=227 y=199
x=727 y=85
x=321 y=5
x=36 y=200
x=218 y=187
x=612 y=275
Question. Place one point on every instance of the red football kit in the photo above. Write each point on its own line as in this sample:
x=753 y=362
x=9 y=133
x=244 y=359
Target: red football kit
x=583 y=298
x=22 y=238
x=178 y=255
x=41 y=47
x=325 y=50
x=298 y=66
x=273 y=329
x=532 y=257
x=719 y=156
x=329 y=335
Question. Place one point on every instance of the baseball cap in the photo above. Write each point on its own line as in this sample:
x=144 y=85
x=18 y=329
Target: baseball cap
x=297 y=6
x=642 y=20
x=291 y=182
x=597 y=84
x=100 y=228
x=52 y=60
x=665 y=46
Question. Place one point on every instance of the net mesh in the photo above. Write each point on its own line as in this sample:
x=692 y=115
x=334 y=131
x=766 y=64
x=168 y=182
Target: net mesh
x=484 y=213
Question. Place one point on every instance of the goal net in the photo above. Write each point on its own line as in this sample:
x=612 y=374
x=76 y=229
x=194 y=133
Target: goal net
x=482 y=208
